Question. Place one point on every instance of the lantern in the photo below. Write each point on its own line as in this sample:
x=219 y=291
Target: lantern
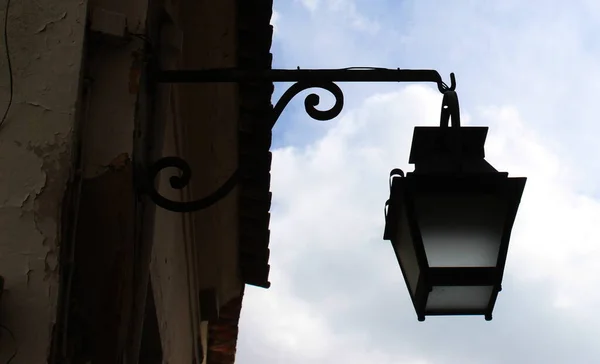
x=450 y=220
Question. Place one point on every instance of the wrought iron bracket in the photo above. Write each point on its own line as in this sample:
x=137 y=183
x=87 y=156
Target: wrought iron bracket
x=303 y=79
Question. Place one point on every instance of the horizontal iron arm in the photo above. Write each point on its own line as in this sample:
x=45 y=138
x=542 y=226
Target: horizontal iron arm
x=306 y=75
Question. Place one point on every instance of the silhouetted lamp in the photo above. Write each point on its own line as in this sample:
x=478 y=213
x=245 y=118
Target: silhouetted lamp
x=450 y=220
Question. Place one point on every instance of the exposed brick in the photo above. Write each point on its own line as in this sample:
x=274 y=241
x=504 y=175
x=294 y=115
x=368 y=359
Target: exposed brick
x=222 y=333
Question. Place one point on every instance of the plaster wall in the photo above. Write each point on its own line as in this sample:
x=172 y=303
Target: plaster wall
x=37 y=148
x=105 y=283
x=210 y=114
x=172 y=268
x=112 y=67
x=172 y=271
x=195 y=258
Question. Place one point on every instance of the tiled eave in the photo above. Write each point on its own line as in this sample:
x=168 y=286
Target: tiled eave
x=253 y=52
x=254 y=44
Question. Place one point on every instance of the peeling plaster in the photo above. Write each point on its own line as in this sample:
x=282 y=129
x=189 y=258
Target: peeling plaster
x=17 y=189
x=56 y=161
x=109 y=129
x=29 y=256
x=50 y=22
x=35 y=161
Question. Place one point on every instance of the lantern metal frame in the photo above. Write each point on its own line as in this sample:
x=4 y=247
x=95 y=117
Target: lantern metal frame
x=449 y=161
x=401 y=201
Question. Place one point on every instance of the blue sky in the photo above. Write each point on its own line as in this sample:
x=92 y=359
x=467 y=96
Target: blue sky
x=528 y=70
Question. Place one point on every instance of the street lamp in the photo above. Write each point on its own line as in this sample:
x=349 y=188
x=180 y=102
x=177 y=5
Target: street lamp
x=449 y=221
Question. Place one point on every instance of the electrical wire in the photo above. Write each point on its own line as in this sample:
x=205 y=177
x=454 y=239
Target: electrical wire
x=10 y=75
x=12 y=336
x=10 y=98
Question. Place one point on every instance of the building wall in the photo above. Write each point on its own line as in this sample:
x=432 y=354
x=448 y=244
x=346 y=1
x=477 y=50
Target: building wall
x=172 y=270
x=210 y=114
x=198 y=249
x=45 y=178
x=37 y=149
x=99 y=292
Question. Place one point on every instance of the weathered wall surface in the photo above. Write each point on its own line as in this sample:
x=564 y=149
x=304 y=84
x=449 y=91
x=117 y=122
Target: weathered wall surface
x=210 y=115
x=172 y=266
x=195 y=258
x=108 y=130
x=172 y=272
x=36 y=149
x=100 y=314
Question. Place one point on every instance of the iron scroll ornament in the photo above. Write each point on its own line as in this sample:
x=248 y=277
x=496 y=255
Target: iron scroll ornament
x=180 y=181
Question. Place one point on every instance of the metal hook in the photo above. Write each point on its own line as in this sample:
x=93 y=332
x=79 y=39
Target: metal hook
x=443 y=87
x=450 y=110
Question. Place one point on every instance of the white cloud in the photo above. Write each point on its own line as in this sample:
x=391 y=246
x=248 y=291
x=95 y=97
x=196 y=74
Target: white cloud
x=311 y=4
x=275 y=16
x=344 y=12
x=357 y=20
x=295 y=331
x=556 y=235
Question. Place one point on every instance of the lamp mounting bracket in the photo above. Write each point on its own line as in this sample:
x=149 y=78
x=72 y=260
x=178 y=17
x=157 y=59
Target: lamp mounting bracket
x=303 y=79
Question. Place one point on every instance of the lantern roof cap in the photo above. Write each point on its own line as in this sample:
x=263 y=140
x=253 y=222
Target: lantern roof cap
x=447 y=149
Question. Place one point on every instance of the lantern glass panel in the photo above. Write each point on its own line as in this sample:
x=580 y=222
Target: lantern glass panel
x=456 y=298
x=461 y=230
x=405 y=251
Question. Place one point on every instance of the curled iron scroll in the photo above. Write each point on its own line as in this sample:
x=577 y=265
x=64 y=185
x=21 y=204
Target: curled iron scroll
x=311 y=101
x=396 y=172
x=181 y=181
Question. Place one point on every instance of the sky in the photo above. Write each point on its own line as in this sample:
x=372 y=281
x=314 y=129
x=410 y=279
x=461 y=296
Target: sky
x=530 y=70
